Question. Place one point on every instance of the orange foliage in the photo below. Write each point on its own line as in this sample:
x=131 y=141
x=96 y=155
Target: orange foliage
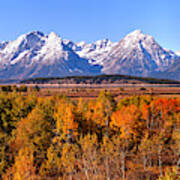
x=126 y=119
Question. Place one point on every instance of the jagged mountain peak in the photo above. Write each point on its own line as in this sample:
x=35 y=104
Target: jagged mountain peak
x=137 y=54
x=54 y=41
x=102 y=43
x=105 y=40
x=32 y=44
x=136 y=33
x=29 y=37
x=135 y=38
x=99 y=44
x=94 y=52
x=54 y=36
x=24 y=45
x=34 y=37
x=35 y=54
x=81 y=43
x=35 y=33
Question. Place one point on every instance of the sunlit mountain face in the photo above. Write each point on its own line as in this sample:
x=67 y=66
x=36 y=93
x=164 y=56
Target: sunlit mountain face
x=38 y=55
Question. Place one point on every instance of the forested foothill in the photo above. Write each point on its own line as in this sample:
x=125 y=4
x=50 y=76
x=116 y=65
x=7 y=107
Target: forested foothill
x=55 y=137
x=99 y=79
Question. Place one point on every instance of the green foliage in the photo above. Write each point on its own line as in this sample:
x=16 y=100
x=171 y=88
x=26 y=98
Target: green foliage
x=13 y=107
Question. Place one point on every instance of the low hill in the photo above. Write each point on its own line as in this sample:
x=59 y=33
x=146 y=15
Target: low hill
x=100 y=79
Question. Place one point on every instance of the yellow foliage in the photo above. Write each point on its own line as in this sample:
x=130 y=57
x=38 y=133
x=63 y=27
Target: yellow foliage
x=23 y=168
x=65 y=118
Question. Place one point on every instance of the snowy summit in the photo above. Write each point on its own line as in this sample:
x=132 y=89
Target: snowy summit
x=38 y=55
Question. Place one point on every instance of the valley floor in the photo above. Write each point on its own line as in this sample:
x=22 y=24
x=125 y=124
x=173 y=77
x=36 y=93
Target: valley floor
x=118 y=91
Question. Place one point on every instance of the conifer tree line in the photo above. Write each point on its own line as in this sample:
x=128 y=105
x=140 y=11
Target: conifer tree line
x=135 y=138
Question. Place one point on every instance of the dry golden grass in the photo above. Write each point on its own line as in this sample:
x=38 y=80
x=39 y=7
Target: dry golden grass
x=117 y=92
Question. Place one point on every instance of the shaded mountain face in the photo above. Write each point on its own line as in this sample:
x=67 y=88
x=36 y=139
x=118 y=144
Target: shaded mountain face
x=137 y=54
x=37 y=55
x=173 y=71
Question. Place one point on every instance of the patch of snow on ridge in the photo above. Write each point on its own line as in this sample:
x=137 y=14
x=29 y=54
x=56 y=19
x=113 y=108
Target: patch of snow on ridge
x=178 y=53
x=53 y=47
x=94 y=52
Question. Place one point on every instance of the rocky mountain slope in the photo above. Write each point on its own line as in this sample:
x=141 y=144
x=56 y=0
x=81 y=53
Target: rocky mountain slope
x=138 y=54
x=37 y=55
x=173 y=72
x=95 y=52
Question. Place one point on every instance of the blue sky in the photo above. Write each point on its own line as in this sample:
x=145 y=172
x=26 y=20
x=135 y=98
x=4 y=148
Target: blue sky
x=91 y=20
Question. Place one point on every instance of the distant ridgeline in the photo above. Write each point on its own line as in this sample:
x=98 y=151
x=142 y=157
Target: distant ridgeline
x=100 y=79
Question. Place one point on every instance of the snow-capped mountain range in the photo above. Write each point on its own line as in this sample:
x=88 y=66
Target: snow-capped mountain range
x=37 y=55
x=138 y=54
x=96 y=51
